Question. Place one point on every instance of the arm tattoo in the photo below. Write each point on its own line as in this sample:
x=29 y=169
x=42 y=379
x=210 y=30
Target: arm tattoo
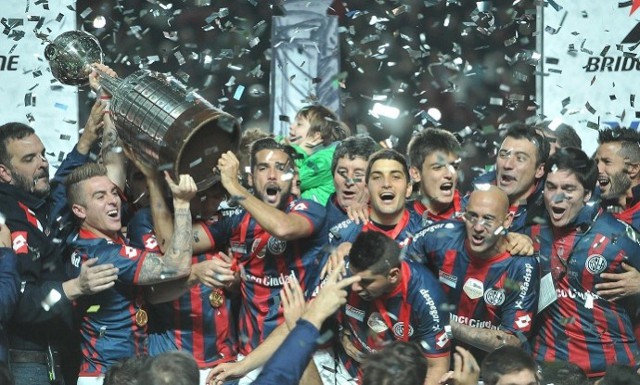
x=485 y=339
x=176 y=261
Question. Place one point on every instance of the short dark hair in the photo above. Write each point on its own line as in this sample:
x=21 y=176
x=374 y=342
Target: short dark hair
x=524 y=131
x=387 y=153
x=353 y=147
x=125 y=372
x=170 y=368
x=80 y=174
x=577 y=162
x=428 y=141
x=398 y=363
x=326 y=122
x=505 y=360
x=269 y=144
x=620 y=374
x=563 y=373
x=374 y=251
x=628 y=138
x=12 y=131
x=566 y=135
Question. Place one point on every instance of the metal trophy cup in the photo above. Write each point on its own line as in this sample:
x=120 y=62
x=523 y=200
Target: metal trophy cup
x=169 y=127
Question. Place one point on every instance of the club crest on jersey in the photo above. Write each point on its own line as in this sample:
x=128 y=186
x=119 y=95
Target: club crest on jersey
x=398 y=329
x=473 y=288
x=276 y=246
x=376 y=323
x=596 y=264
x=494 y=297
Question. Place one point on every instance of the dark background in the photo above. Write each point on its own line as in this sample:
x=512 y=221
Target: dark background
x=473 y=61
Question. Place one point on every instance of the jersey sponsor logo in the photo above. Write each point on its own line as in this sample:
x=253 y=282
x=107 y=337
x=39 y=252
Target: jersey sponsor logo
x=596 y=264
x=433 y=309
x=271 y=280
x=150 y=242
x=20 y=245
x=129 y=252
x=473 y=288
x=475 y=323
x=523 y=321
x=398 y=329
x=524 y=286
x=448 y=279
x=354 y=312
x=276 y=246
x=494 y=297
x=430 y=229
x=442 y=339
x=376 y=323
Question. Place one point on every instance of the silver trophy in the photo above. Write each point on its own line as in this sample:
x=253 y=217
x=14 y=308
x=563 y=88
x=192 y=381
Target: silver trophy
x=168 y=126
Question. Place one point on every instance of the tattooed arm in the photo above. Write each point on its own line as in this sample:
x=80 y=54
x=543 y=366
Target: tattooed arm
x=485 y=339
x=175 y=262
x=111 y=152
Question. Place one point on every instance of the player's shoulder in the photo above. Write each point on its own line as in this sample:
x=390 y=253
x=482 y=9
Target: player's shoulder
x=448 y=229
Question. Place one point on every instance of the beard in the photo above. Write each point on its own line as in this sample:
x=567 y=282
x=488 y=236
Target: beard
x=619 y=184
x=27 y=185
x=285 y=193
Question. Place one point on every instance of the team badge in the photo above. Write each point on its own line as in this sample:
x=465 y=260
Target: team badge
x=473 y=288
x=376 y=323
x=276 y=246
x=596 y=264
x=494 y=297
x=398 y=329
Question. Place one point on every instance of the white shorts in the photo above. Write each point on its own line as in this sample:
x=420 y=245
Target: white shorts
x=90 y=380
x=332 y=371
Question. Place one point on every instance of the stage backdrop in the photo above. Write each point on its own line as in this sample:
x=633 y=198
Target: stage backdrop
x=28 y=92
x=590 y=66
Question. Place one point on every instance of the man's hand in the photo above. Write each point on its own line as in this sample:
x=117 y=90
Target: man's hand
x=350 y=349
x=184 y=191
x=5 y=236
x=215 y=272
x=228 y=166
x=226 y=371
x=519 y=244
x=93 y=128
x=330 y=298
x=466 y=370
x=147 y=170
x=619 y=285
x=336 y=258
x=358 y=212
x=293 y=302
x=94 y=77
x=91 y=280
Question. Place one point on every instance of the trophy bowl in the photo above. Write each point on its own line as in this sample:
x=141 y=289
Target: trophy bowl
x=70 y=57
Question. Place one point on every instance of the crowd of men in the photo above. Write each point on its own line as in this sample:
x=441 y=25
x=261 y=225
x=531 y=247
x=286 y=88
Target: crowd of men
x=101 y=268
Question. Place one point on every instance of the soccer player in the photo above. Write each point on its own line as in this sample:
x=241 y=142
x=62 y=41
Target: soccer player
x=113 y=324
x=273 y=238
x=394 y=300
x=434 y=155
x=509 y=365
x=495 y=294
x=519 y=171
x=579 y=243
x=349 y=167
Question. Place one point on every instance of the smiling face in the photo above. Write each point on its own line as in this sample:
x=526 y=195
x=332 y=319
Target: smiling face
x=516 y=170
x=272 y=177
x=438 y=178
x=564 y=197
x=100 y=206
x=388 y=191
x=485 y=219
x=349 y=181
x=612 y=174
x=28 y=168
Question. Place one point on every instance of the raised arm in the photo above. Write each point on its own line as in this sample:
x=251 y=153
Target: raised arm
x=176 y=260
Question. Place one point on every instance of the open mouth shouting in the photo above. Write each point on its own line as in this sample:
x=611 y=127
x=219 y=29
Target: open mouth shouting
x=272 y=193
x=603 y=181
x=557 y=213
x=476 y=239
x=387 y=197
x=447 y=188
x=506 y=180
x=114 y=214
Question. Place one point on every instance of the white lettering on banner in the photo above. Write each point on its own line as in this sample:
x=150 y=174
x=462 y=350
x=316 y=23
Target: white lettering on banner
x=583 y=51
x=270 y=280
x=30 y=94
x=475 y=323
x=524 y=285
